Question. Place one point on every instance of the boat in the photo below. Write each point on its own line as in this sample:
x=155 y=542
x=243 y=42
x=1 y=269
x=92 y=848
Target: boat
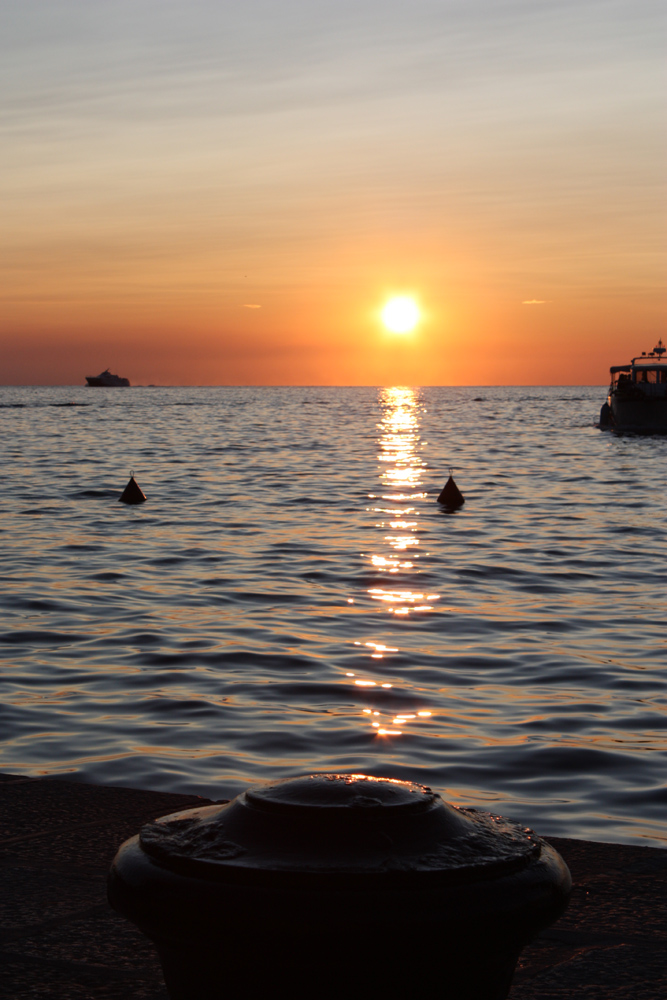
x=637 y=400
x=106 y=379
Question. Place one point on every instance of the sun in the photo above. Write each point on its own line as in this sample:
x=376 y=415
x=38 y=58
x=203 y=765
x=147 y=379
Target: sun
x=401 y=314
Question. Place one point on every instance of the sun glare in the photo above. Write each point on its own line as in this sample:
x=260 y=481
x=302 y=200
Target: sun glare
x=400 y=314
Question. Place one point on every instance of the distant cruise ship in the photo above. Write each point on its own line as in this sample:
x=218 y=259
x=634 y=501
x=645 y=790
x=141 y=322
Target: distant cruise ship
x=106 y=378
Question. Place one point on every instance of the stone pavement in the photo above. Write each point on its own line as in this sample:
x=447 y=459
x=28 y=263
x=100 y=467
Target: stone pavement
x=59 y=938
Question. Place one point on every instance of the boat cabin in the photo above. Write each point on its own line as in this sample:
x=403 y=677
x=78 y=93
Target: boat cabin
x=646 y=372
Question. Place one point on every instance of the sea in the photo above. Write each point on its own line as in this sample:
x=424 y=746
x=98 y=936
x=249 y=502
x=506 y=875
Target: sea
x=292 y=598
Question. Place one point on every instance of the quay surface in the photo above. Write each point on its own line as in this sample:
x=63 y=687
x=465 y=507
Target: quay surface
x=60 y=939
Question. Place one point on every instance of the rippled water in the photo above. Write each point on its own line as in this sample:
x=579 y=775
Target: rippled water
x=292 y=598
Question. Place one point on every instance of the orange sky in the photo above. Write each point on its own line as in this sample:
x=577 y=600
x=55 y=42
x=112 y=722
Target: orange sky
x=170 y=165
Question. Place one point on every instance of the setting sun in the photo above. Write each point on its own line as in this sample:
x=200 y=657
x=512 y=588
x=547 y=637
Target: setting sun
x=400 y=314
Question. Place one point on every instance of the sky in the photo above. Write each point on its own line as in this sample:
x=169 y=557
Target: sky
x=218 y=193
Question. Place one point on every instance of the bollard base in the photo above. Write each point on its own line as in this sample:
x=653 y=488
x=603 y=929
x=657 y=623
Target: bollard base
x=351 y=969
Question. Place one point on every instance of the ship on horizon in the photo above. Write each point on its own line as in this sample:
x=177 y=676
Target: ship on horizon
x=106 y=378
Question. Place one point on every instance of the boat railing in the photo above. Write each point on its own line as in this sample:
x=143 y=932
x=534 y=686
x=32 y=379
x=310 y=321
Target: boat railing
x=627 y=386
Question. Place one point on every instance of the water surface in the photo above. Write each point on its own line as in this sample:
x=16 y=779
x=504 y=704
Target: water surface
x=292 y=598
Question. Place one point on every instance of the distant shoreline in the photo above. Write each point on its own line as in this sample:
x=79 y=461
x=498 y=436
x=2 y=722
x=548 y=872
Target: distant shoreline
x=297 y=385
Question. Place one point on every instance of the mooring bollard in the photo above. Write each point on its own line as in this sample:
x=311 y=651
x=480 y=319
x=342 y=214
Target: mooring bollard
x=338 y=886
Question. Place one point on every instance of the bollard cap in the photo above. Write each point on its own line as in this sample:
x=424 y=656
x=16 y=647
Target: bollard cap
x=352 y=828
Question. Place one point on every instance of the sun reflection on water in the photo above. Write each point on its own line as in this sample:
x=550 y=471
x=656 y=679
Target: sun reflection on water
x=401 y=474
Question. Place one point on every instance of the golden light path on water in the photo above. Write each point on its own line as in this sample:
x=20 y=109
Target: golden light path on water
x=401 y=477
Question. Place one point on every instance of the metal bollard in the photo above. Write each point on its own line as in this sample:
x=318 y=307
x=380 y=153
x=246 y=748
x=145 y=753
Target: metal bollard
x=340 y=886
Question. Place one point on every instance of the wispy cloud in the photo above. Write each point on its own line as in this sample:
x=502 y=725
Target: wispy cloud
x=535 y=302
x=251 y=305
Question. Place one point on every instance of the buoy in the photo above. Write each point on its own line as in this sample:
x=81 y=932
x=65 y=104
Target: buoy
x=132 y=493
x=451 y=495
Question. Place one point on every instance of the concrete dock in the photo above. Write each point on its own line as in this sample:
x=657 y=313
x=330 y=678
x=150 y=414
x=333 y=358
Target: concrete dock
x=59 y=938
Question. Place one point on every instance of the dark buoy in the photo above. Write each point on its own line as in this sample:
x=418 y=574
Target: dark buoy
x=132 y=493
x=451 y=495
